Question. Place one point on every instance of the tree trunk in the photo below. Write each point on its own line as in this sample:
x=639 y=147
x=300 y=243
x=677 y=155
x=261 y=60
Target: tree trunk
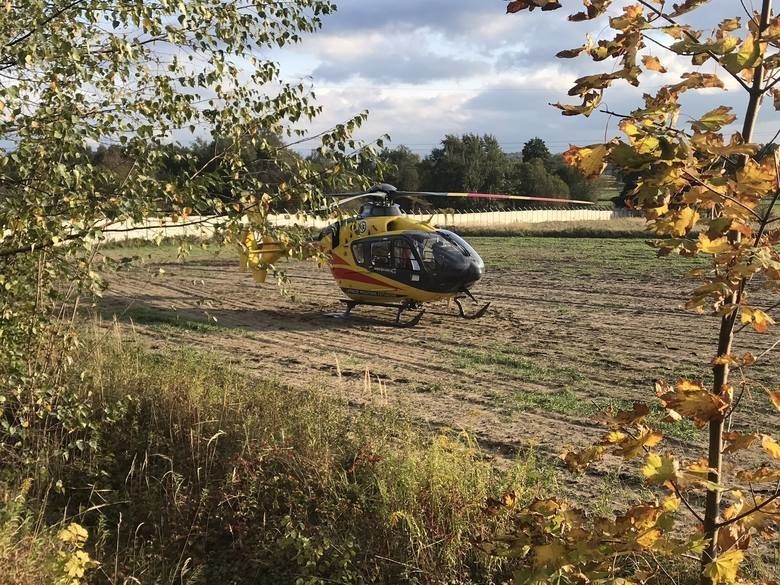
x=725 y=340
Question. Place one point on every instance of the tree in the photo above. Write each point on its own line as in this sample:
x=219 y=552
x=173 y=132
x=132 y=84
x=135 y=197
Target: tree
x=702 y=192
x=535 y=148
x=579 y=187
x=133 y=77
x=404 y=173
x=534 y=180
x=467 y=163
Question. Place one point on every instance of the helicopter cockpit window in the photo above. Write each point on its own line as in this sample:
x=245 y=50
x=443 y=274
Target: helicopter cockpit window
x=382 y=254
x=361 y=252
x=435 y=250
x=403 y=257
x=395 y=255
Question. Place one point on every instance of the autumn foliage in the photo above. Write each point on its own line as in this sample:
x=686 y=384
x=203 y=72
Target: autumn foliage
x=708 y=189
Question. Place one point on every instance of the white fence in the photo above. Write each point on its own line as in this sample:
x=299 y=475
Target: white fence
x=203 y=226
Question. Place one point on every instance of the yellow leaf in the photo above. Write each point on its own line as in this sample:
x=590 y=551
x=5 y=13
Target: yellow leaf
x=692 y=400
x=724 y=568
x=613 y=437
x=633 y=447
x=579 y=460
x=684 y=221
x=648 y=538
x=775 y=398
x=763 y=474
x=714 y=120
x=770 y=446
x=756 y=179
x=756 y=318
x=74 y=533
x=715 y=246
x=549 y=554
x=653 y=64
x=748 y=56
x=659 y=469
x=590 y=160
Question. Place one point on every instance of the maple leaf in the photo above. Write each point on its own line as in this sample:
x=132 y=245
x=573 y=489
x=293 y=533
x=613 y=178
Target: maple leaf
x=590 y=160
x=763 y=474
x=530 y=5
x=756 y=318
x=735 y=536
x=695 y=81
x=684 y=220
x=659 y=469
x=770 y=446
x=714 y=246
x=738 y=441
x=748 y=56
x=686 y=6
x=692 y=400
x=551 y=554
x=590 y=102
x=714 y=120
x=593 y=9
x=570 y=53
x=756 y=179
x=653 y=64
x=578 y=460
x=633 y=447
x=724 y=568
x=628 y=418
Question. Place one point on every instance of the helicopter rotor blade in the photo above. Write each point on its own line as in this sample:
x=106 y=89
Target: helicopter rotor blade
x=489 y=196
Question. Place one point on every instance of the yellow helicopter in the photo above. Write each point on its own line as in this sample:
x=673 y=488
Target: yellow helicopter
x=383 y=257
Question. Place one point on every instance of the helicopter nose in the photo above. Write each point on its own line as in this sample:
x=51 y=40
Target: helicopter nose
x=472 y=273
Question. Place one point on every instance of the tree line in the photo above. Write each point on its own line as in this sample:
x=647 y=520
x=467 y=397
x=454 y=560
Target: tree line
x=467 y=163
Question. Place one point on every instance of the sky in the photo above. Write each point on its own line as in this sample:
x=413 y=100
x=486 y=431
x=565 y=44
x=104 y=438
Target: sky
x=427 y=68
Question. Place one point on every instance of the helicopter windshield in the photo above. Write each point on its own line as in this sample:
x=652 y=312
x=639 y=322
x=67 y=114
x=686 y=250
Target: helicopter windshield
x=436 y=251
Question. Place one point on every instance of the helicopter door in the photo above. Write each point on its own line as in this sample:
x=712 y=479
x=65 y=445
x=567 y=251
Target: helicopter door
x=405 y=261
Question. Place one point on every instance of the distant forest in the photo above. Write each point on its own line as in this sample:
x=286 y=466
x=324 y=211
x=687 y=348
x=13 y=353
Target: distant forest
x=467 y=163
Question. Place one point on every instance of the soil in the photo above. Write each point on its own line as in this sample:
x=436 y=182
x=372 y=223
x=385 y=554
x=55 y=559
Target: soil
x=559 y=343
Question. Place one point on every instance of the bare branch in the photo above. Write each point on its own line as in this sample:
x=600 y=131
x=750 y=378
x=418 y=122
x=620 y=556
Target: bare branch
x=753 y=510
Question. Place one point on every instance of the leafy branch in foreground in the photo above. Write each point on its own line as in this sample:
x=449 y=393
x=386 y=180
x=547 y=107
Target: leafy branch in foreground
x=710 y=196
x=134 y=78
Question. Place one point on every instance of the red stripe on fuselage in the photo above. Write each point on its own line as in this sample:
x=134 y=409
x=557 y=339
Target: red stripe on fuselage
x=337 y=260
x=347 y=274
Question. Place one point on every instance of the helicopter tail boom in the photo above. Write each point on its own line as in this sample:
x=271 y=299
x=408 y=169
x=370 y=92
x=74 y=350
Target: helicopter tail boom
x=257 y=257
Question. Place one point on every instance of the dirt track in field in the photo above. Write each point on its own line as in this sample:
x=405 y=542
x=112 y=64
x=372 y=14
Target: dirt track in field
x=584 y=339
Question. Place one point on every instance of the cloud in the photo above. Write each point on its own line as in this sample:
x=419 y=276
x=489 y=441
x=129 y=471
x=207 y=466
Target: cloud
x=398 y=67
x=428 y=68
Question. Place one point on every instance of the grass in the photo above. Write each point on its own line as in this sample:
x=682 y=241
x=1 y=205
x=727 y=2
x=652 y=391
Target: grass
x=205 y=474
x=505 y=360
x=161 y=320
x=605 y=257
x=616 y=228
x=563 y=399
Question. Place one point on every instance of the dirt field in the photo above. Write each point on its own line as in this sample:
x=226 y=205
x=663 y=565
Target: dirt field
x=574 y=326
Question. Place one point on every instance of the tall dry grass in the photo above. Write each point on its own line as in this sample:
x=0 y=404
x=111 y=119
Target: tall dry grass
x=204 y=474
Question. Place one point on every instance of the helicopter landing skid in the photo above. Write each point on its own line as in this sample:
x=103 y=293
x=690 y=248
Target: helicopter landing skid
x=479 y=313
x=406 y=306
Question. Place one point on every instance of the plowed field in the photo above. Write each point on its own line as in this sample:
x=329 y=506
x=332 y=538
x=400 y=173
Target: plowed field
x=575 y=325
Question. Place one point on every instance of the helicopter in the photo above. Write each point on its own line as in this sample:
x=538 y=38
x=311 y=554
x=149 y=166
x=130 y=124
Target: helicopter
x=383 y=257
